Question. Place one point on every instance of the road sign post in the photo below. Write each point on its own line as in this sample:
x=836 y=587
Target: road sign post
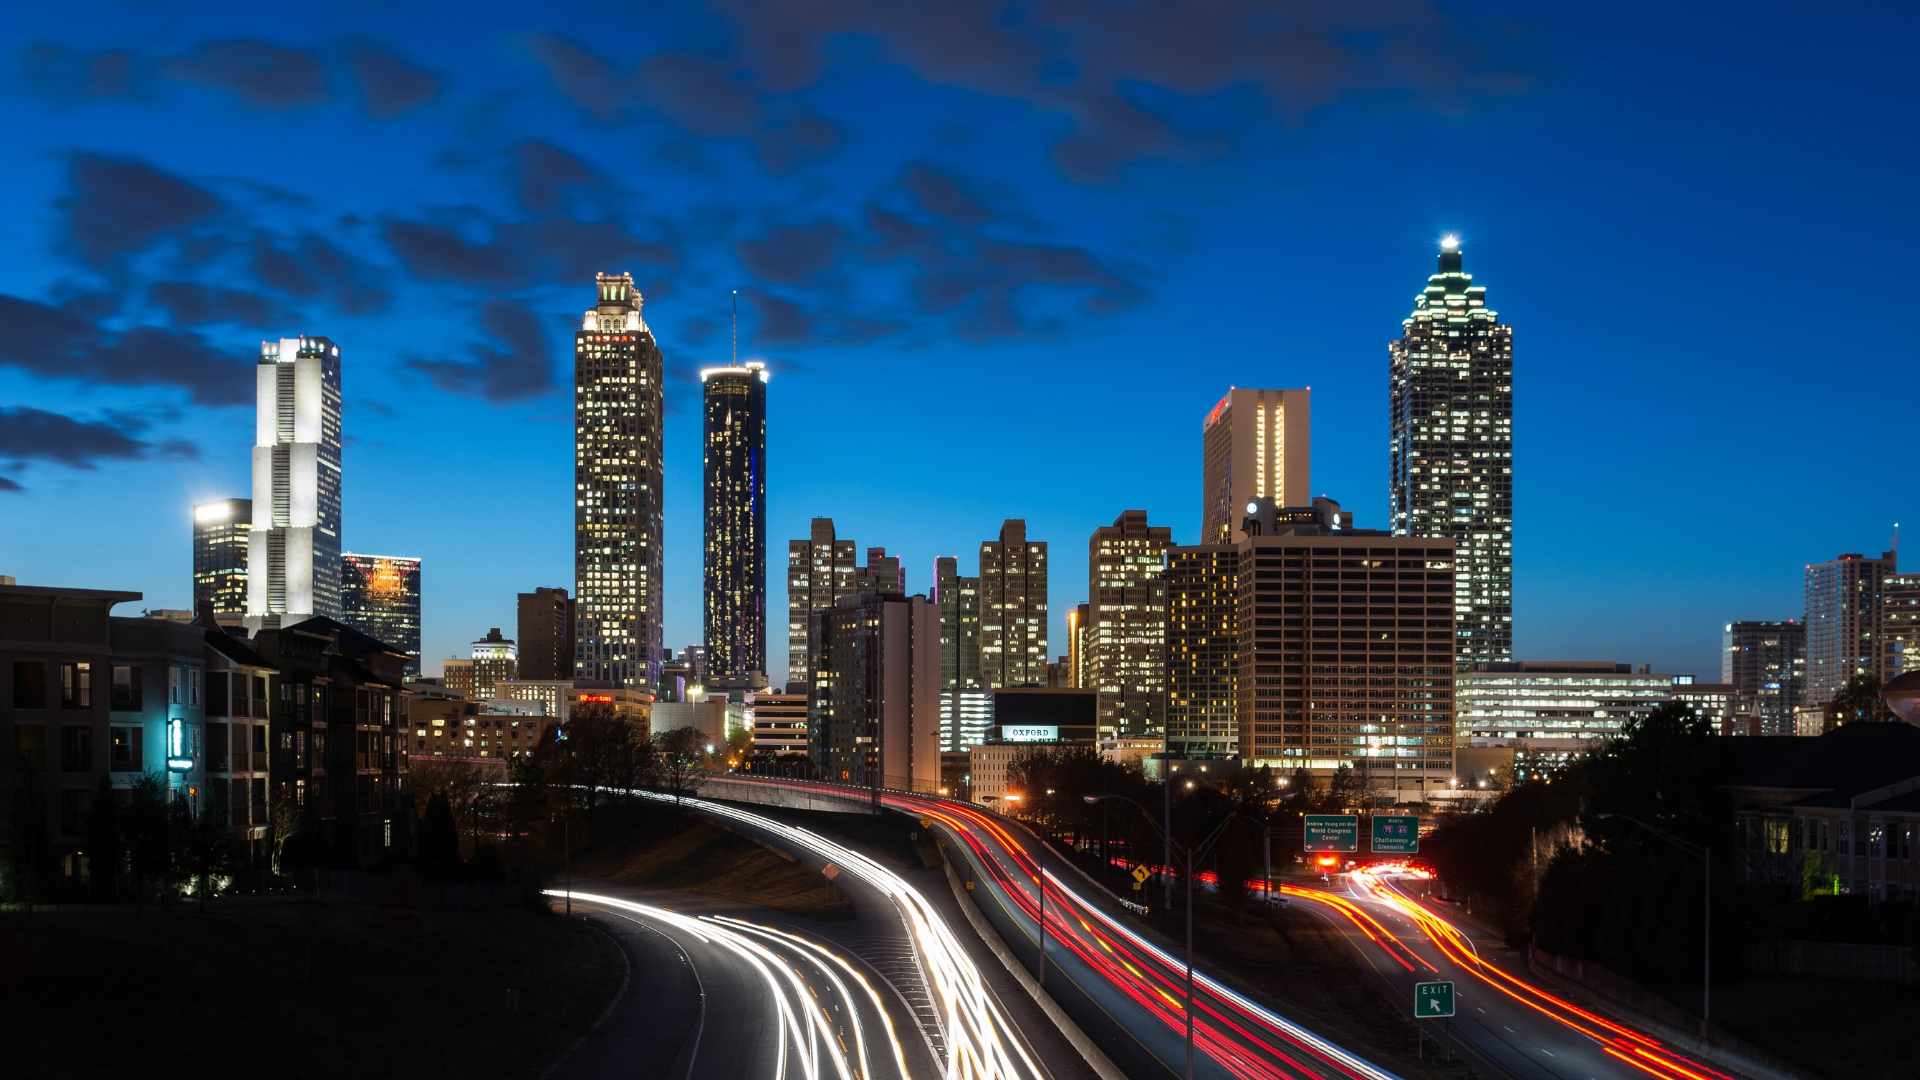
x=1396 y=834
x=1434 y=1001
x=1332 y=832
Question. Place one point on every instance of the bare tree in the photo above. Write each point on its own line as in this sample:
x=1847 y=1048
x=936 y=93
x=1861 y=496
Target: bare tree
x=676 y=755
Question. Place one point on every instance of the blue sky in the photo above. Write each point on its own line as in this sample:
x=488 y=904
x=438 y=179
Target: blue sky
x=1000 y=259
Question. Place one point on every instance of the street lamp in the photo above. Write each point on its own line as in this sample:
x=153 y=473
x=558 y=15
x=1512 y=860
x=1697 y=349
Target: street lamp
x=1705 y=854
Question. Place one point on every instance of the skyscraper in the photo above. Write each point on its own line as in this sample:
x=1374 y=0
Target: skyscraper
x=820 y=570
x=220 y=556
x=495 y=663
x=546 y=635
x=873 y=715
x=1766 y=664
x=617 y=500
x=1013 y=608
x=293 y=544
x=1843 y=623
x=965 y=708
x=1127 y=624
x=1203 y=654
x=735 y=460
x=883 y=573
x=380 y=597
x=1900 y=623
x=1253 y=444
x=1451 y=448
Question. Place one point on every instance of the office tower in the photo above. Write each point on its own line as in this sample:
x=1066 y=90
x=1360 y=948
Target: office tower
x=874 y=710
x=819 y=571
x=735 y=582
x=883 y=573
x=1843 y=623
x=1347 y=650
x=965 y=708
x=1451 y=447
x=1765 y=661
x=1253 y=444
x=1127 y=624
x=456 y=674
x=380 y=597
x=617 y=499
x=1013 y=608
x=1900 y=623
x=1548 y=712
x=1078 y=621
x=293 y=544
x=495 y=663
x=546 y=635
x=778 y=722
x=694 y=659
x=1203 y=650
x=220 y=556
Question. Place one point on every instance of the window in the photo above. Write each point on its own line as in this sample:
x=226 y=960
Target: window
x=76 y=685
x=259 y=697
x=76 y=806
x=299 y=748
x=126 y=688
x=76 y=748
x=29 y=684
x=217 y=695
x=173 y=685
x=30 y=741
x=124 y=749
x=193 y=686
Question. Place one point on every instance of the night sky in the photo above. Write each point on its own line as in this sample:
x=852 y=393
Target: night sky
x=1001 y=261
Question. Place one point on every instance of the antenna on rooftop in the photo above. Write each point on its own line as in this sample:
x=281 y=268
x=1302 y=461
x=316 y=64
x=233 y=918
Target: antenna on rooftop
x=736 y=328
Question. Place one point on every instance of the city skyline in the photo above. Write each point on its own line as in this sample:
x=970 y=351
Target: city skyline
x=1096 y=260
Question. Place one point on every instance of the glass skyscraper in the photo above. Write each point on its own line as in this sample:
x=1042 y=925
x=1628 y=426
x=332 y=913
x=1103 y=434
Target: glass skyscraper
x=1253 y=444
x=293 y=546
x=617 y=500
x=220 y=556
x=735 y=582
x=1451 y=448
x=820 y=570
x=1845 y=633
x=1013 y=608
x=380 y=597
x=965 y=709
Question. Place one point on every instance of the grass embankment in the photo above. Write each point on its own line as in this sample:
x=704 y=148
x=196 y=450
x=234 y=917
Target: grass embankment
x=282 y=987
x=692 y=855
x=1836 y=1030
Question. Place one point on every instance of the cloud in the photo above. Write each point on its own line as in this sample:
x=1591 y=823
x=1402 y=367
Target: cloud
x=7 y=483
x=66 y=343
x=440 y=253
x=522 y=368
x=71 y=77
x=545 y=175
x=514 y=255
x=312 y=267
x=30 y=434
x=389 y=85
x=793 y=254
x=120 y=206
x=781 y=320
x=262 y=76
x=191 y=303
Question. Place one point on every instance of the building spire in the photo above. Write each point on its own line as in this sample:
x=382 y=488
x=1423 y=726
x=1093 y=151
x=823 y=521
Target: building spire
x=1450 y=254
x=736 y=328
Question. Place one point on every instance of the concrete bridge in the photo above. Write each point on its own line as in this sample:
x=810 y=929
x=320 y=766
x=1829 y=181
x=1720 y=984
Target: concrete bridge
x=793 y=794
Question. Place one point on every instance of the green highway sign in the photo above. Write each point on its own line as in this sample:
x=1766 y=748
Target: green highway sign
x=1333 y=832
x=1432 y=999
x=1396 y=834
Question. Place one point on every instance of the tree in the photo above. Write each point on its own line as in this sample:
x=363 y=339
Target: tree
x=439 y=836
x=1234 y=864
x=676 y=754
x=106 y=848
x=603 y=750
x=1858 y=701
x=149 y=834
x=207 y=855
x=284 y=820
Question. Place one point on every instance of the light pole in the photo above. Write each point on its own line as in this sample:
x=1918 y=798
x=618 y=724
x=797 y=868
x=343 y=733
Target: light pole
x=1705 y=854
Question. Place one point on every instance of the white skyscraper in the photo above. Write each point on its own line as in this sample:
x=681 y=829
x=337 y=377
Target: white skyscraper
x=293 y=546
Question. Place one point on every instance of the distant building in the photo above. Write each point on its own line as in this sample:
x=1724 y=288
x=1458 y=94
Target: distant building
x=1125 y=652
x=1013 y=608
x=883 y=573
x=1254 y=444
x=1079 y=620
x=820 y=570
x=457 y=677
x=874 y=714
x=1042 y=714
x=713 y=716
x=1551 y=711
x=617 y=492
x=1714 y=703
x=1900 y=622
x=779 y=722
x=1765 y=661
x=964 y=708
x=1346 y=651
x=1843 y=624
x=380 y=597
x=293 y=544
x=220 y=557
x=496 y=661
x=552 y=695
x=1451 y=437
x=546 y=634
x=735 y=474
x=1203 y=650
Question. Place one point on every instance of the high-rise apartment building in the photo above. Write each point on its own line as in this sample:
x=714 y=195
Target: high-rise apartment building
x=1127 y=624
x=1451 y=447
x=496 y=662
x=820 y=570
x=883 y=573
x=735 y=583
x=965 y=708
x=220 y=556
x=1765 y=661
x=546 y=618
x=617 y=498
x=1013 y=608
x=1346 y=650
x=1900 y=623
x=874 y=710
x=380 y=597
x=293 y=543
x=1253 y=444
x=1203 y=650
x=1844 y=639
